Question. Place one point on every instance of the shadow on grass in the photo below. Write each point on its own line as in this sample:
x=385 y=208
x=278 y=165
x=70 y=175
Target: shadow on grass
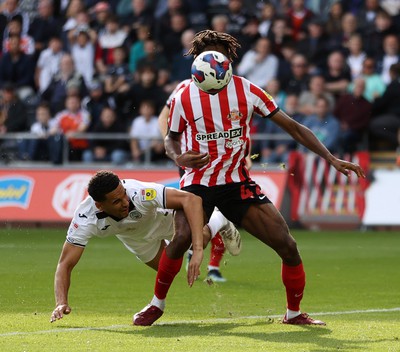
x=317 y=336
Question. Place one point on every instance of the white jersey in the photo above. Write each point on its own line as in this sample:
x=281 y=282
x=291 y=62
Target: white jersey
x=141 y=231
x=220 y=126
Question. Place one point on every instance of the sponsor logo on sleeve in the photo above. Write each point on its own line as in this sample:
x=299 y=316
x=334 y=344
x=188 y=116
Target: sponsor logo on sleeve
x=148 y=194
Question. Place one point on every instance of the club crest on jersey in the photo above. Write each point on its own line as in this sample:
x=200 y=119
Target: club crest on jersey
x=148 y=194
x=135 y=215
x=234 y=115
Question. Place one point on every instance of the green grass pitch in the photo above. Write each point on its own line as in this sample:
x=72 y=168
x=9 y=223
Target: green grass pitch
x=353 y=283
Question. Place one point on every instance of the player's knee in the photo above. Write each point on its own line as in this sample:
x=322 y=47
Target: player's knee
x=286 y=247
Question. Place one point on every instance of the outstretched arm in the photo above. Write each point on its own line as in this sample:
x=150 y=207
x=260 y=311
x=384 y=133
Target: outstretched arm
x=306 y=137
x=70 y=256
x=193 y=208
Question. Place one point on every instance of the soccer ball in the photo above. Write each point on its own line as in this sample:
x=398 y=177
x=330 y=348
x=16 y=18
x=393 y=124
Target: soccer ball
x=211 y=71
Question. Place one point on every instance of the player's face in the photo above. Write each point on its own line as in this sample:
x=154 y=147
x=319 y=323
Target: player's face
x=116 y=203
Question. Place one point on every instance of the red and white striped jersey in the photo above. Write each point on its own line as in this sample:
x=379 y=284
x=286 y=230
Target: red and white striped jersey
x=178 y=87
x=219 y=125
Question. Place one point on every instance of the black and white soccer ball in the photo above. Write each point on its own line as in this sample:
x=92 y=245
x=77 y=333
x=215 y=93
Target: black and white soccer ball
x=211 y=71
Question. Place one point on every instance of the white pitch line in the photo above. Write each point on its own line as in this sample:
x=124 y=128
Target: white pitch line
x=203 y=321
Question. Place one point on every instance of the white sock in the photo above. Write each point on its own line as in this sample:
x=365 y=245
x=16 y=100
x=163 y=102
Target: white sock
x=211 y=267
x=216 y=222
x=292 y=313
x=160 y=303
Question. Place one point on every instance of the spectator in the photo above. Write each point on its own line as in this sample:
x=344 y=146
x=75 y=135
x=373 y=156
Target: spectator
x=43 y=148
x=45 y=26
x=101 y=11
x=129 y=100
x=308 y=98
x=14 y=28
x=146 y=125
x=315 y=46
x=374 y=38
x=277 y=150
x=219 y=23
x=299 y=78
x=9 y=10
x=299 y=15
x=386 y=114
x=266 y=19
x=48 y=64
x=367 y=14
x=14 y=115
x=181 y=64
x=324 y=125
x=17 y=67
x=280 y=34
x=72 y=11
x=334 y=19
x=112 y=37
x=82 y=51
x=259 y=65
x=13 y=118
x=170 y=39
x=337 y=74
x=242 y=25
x=109 y=150
x=133 y=13
x=354 y=113
x=67 y=77
x=349 y=27
x=73 y=119
x=374 y=85
x=118 y=73
x=356 y=55
x=155 y=58
x=137 y=50
x=163 y=23
x=96 y=101
x=390 y=56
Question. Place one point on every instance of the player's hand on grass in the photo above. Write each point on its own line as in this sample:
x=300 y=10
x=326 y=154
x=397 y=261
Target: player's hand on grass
x=192 y=159
x=194 y=266
x=345 y=167
x=59 y=312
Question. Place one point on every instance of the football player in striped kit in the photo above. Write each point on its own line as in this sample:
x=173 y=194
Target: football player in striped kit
x=216 y=129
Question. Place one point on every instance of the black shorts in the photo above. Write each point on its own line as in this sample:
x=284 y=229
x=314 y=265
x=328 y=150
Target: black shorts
x=232 y=199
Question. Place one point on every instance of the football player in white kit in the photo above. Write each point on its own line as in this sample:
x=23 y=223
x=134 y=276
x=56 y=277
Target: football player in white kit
x=141 y=216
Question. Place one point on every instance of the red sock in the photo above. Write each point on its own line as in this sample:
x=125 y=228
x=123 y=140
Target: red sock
x=294 y=279
x=217 y=250
x=167 y=270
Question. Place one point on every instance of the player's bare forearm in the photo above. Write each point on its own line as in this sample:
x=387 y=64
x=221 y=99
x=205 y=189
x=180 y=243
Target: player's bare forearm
x=62 y=282
x=306 y=137
x=172 y=145
x=70 y=256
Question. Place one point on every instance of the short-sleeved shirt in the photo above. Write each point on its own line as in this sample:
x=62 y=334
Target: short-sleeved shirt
x=142 y=231
x=219 y=125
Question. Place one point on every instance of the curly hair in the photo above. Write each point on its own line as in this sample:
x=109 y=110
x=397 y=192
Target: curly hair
x=102 y=183
x=208 y=37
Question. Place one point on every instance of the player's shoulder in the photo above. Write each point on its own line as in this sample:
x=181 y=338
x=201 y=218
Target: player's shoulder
x=141 y=190
x=85 y=213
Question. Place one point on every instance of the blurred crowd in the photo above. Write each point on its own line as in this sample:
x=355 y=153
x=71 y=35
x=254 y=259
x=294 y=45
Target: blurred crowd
x=109 y=67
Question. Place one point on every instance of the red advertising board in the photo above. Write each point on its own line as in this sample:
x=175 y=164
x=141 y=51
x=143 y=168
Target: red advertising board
x=52 y=195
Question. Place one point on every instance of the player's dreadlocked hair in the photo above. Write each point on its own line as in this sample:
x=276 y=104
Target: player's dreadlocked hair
x=102 y=183
x=208 y=37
